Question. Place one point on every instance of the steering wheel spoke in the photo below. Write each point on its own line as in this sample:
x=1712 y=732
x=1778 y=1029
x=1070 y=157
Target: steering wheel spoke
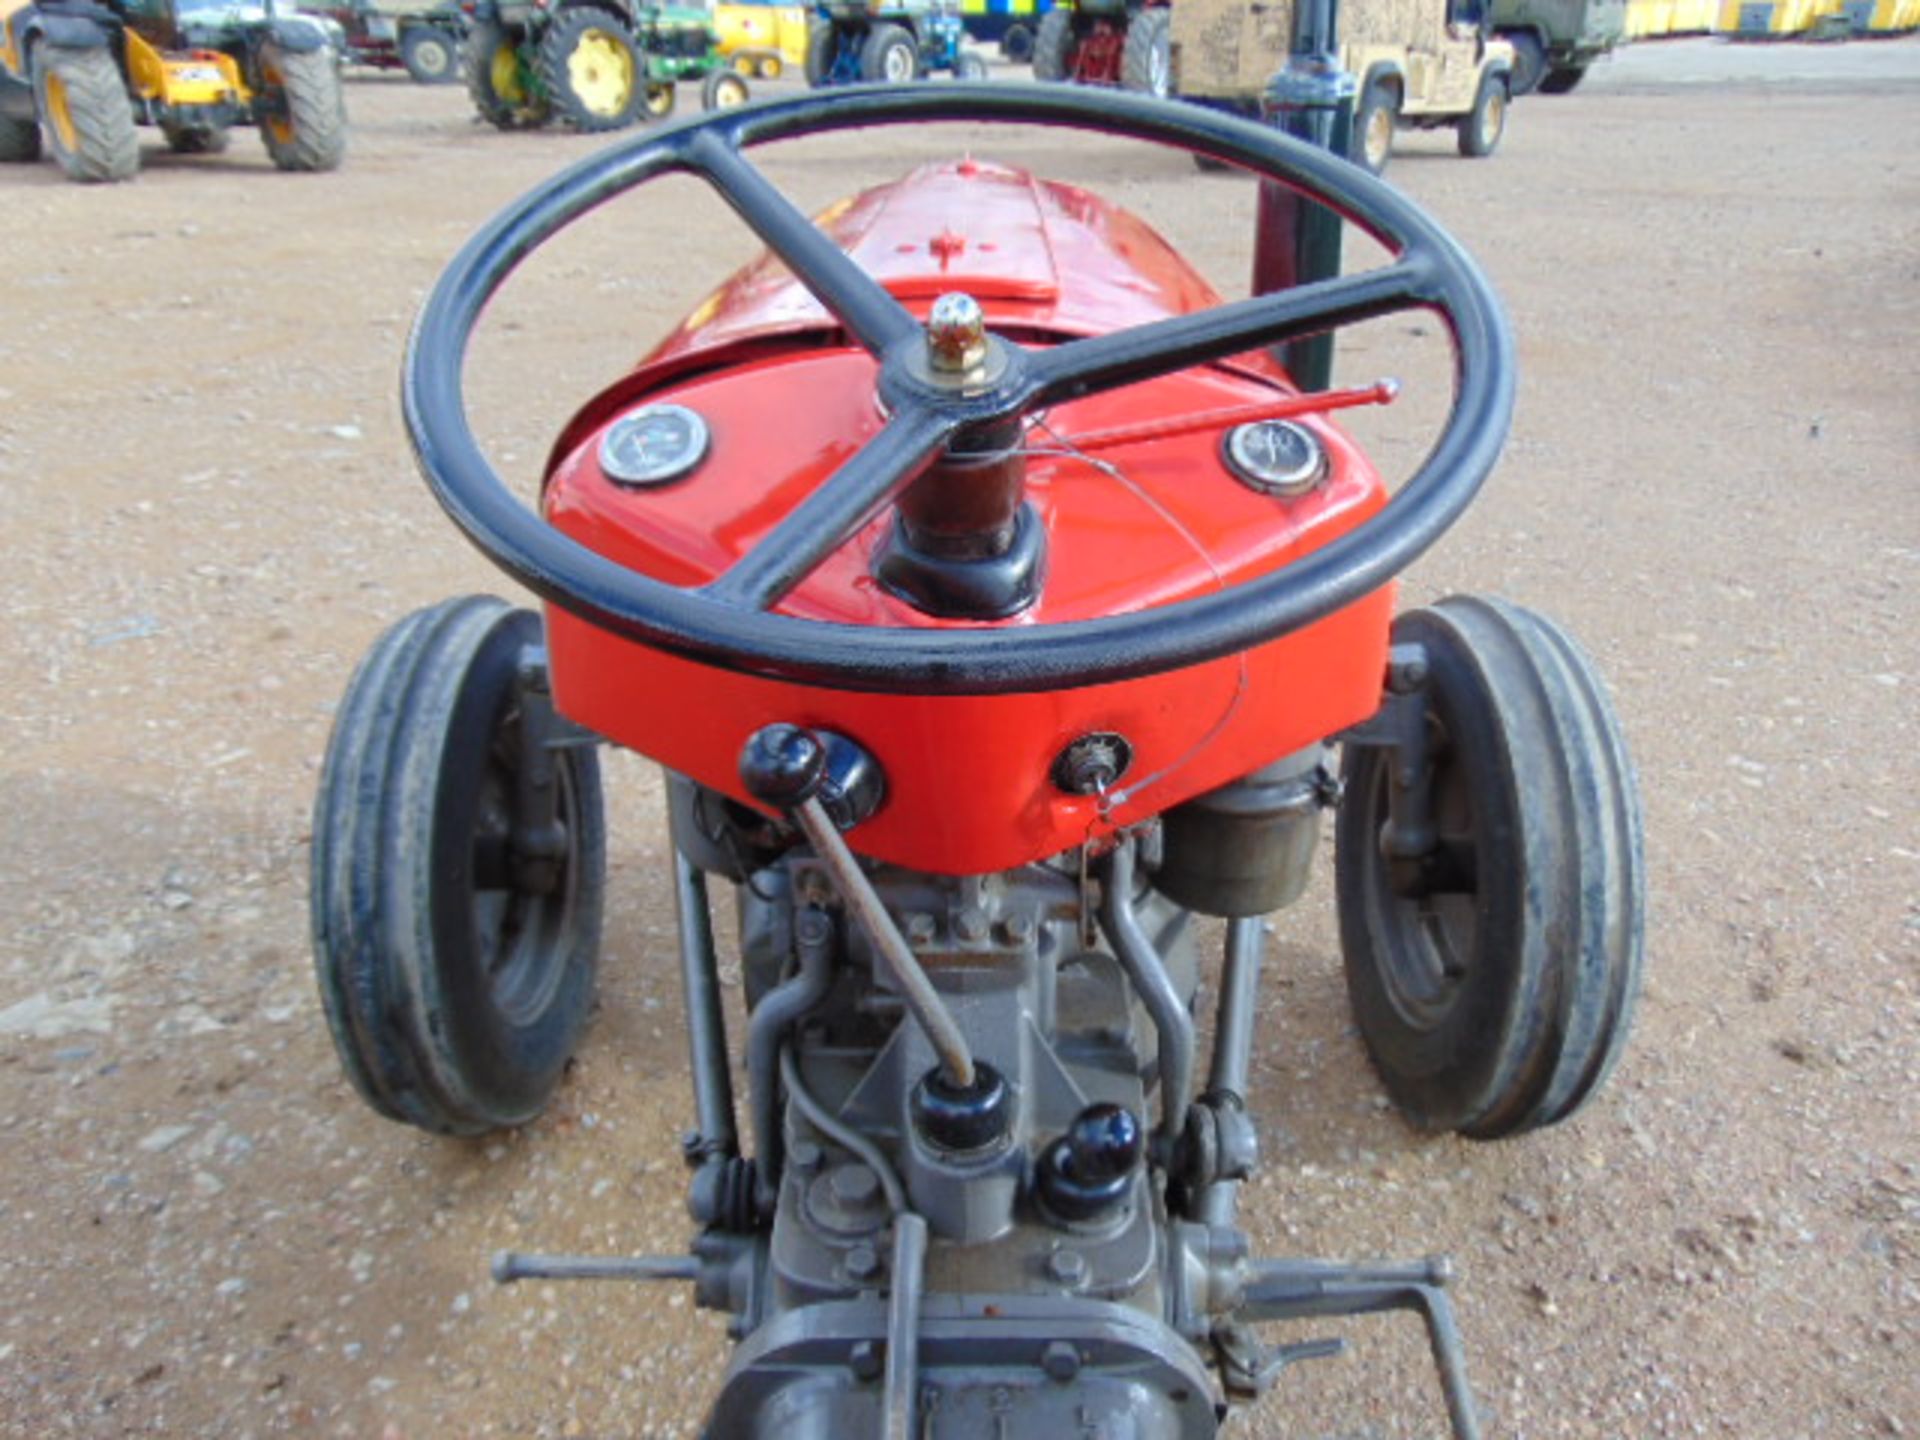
x=861 y=303
x=834 y=513
x=1104 y=362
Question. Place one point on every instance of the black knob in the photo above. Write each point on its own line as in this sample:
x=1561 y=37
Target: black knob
x=963 y=1119
x=1089 y=1169
x=783 y=765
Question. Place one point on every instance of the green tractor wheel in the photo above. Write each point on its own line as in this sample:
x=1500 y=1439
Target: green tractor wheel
x=303 y=121
x=497 y=82
x=591 y=68
x=82 y=101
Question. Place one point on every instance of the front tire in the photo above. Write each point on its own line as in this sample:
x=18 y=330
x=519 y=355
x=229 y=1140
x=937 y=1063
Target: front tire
x=305 y=124
x=1529 y=62
x=496 y=82
x=1493 y=980
x=1373 y=126
x=1053 y=45
x=823 y=43
x=722 y=90
x=890 y=56
x=431 y=55
x=83 y=107
x=970 y=67
x=591 y=70
x=1146 y=59
x=455 y=978
x=1017 y=44
x=1480 y=130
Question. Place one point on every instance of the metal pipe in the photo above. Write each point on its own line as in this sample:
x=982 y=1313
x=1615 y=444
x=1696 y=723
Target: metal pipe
x=706 y=1022
x=1148 y=973
x=956 y=1057
x=767 y=1028
x=842 y=1134
x=903 y=1325
x=1239 y=992
x=509 y=1266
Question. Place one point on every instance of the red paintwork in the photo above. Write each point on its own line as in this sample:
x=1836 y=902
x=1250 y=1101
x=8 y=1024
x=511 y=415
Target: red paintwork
x=1097 y=59
x=787 y=401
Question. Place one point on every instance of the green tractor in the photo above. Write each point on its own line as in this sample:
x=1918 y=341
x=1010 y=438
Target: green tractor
x=590 y=64
x=86 y=74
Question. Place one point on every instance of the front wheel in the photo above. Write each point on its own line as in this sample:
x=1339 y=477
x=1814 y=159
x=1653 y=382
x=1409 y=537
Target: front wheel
x=431 y=55
x=1493 y=974
x=1017 y=44
x=83 y=106
x=823 y=45
x=591 y=70
x=1529 y=62
x=303 y=120
x=722 y=90
x=1053 y=46
x=970 y=67
x=498 y=82
x=458 y=873
x=1480 y=130
x=1146 y=59
x=890 y=56
x=660 y=98
x=1373 y=126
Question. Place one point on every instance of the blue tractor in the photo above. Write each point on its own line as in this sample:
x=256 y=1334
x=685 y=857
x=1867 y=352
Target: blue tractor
x=889 y=41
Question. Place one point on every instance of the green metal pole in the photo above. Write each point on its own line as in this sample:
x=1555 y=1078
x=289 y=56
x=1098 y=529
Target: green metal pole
x=1298 y=240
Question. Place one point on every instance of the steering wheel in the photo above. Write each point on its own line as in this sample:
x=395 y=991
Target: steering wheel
x=730 y=621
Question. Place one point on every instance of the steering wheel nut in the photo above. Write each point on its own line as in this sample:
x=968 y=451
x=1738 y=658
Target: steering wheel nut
x=956 y=334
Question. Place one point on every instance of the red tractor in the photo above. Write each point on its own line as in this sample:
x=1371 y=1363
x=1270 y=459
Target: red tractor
x=1107 y=42
x=1024 y=637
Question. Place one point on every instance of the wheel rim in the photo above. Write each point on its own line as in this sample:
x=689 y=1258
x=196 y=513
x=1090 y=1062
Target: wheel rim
x=1379 y=137
x=522 y=936
x=600 y=70
x=659 y=99
x=744 y=65
x=503 y=73
x=60 y=113
x=728 y=94
x=1426 y=940
x=900 y=64
x=1495 y=120
x=432 y=57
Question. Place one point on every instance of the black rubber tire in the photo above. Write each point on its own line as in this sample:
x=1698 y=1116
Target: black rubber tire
x=822 y=44
x=1529 y=62
x=1146 y=59
x=432 y=1029
x=431 y=55
x=1053 y=46
x=971 y=67
x=1480 y=129
x=309 y=132
x=1497 y=1004
x=1017 y=44
x=193 y=140
x=1562 y=79
x=490 y=59
x=578 y=109
x=19 y=139
x=97 y=141
x=722 y=90
x=1380 y=99
x=890 y=56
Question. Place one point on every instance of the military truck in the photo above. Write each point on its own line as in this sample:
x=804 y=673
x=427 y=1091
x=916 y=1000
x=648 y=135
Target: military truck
x=1554 y=41
x=1418 y=64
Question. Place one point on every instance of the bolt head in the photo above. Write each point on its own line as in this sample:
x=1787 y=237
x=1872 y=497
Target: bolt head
x=863 y=1262
x=1061 y=1360
x=956 y=333
x=1067 y=1267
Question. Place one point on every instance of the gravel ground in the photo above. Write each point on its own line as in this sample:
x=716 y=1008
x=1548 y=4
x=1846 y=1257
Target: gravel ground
x=1712 y=258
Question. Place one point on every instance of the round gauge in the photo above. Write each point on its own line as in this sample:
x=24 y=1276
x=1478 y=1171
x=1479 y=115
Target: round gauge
x=1276 y=456
x=653 y=445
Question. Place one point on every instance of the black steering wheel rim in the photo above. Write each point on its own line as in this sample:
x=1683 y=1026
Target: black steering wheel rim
x=726 y=625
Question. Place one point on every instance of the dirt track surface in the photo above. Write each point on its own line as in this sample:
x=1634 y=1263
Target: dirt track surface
x=1712 y=261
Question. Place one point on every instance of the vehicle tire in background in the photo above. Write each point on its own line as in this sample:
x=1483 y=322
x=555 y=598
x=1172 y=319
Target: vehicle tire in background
x=495 y=84
x=1053 y=45
x=591 y=70
x=19 y=139
x=970 y=66
x=83 y=105
x=659 y=99
x=1373 y=125
x=431 y=55
x=1146 y=60
x=890 y=56
x=1529 y=62
x=1562 y=79
x=822 y=42
x=722 y=90
x=1480 y=128
x=304 y=126
x=1017 y=44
